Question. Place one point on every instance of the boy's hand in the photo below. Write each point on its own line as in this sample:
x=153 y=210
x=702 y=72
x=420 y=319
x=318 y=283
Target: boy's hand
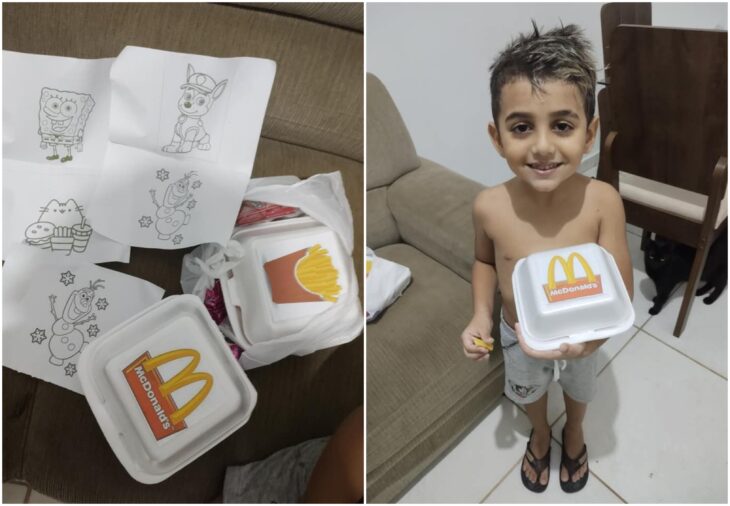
x=566 y=351
x=479 y=328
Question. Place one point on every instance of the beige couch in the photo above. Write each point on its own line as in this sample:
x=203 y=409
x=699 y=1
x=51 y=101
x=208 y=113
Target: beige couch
x=423 y=394
x=313 y=124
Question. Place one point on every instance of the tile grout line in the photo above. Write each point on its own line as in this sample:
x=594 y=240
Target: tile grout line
x=500 y=481
x=675 y=349
x=608 y=487
x=638 y=329
x=683 y=354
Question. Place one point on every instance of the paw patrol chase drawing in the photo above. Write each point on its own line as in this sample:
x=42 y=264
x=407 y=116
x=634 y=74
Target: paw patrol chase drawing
x=200 y=91
x=66 y=340
x=62 y=120
x=171 y=215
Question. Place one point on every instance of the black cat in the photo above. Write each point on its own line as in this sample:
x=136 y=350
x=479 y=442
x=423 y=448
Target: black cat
x=669 y=263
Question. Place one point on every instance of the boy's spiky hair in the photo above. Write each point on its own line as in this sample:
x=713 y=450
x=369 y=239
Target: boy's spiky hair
x=561 y=53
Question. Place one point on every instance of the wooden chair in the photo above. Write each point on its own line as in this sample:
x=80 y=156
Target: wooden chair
x=667 y=151
x=619 y=13
x=612 y=15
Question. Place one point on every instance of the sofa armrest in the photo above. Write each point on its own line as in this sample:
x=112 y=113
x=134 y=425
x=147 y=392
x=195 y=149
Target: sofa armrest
x=432 y=209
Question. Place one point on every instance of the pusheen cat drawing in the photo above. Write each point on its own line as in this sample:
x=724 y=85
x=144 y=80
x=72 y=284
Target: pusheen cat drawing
x=62 y=214
x=61 y=226
x=62 y=120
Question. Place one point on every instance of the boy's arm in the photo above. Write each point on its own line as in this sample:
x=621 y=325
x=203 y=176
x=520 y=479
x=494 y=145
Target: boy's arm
x=484 y=283
x=484 y=273
x=612 y=234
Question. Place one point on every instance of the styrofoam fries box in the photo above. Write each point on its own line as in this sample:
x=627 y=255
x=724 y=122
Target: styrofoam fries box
x=570 y=295
x=291 y=271
x=165 y=388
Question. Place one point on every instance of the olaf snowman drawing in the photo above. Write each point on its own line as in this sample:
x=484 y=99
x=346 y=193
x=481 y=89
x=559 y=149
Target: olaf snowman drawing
x=170 y=218
x=66 y=340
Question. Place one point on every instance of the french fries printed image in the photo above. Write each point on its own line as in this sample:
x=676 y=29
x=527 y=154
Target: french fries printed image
x=307 y=275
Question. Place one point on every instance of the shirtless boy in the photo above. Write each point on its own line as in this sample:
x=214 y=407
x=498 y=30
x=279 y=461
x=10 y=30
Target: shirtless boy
x=543 y=101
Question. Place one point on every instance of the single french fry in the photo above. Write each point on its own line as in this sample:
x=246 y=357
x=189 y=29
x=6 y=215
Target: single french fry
x=483 y=344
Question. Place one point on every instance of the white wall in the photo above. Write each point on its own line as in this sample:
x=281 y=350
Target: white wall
x=434 y=59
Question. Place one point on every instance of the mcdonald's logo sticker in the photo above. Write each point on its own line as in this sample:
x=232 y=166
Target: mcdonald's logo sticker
x=572 y=287
x=154 y=395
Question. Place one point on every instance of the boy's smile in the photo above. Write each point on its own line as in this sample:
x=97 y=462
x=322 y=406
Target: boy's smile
x=543 y=136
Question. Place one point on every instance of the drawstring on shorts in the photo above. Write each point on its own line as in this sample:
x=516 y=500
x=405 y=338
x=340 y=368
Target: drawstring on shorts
x=557 y=368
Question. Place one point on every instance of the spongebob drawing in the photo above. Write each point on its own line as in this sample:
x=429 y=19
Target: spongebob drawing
x=62 y=120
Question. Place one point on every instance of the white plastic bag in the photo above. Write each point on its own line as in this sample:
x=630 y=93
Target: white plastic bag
x=386 y=281
x=323 y=198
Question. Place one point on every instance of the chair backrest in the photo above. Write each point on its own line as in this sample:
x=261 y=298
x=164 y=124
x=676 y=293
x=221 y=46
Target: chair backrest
x=618 y=13
x=668 y=96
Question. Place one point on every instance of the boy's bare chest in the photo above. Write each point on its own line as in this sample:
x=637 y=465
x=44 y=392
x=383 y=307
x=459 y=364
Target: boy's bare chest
x=517 y=238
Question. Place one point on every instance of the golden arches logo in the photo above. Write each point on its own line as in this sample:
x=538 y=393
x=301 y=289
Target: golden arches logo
x=154 y=395
x=571 y=288
x=185 y=377
x=568 y=268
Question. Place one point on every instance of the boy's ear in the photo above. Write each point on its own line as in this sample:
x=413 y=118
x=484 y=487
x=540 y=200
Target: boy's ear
x=494 y=135
x=591 y=137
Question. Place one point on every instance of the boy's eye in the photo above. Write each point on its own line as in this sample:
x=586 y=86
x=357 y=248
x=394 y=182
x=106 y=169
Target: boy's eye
x=520 y=128
x=563 y=126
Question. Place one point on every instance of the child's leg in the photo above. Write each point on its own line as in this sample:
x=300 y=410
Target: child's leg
x=537 y=413
x=575 y=412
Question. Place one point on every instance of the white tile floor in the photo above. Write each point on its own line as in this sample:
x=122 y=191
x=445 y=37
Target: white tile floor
x=656 y=431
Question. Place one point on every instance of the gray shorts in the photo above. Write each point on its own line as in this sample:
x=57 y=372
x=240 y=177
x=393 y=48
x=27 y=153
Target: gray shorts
x=527 y=379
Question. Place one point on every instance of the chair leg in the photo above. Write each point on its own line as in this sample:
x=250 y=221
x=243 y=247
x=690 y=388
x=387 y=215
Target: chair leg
x=645 y=238
x=689 y=294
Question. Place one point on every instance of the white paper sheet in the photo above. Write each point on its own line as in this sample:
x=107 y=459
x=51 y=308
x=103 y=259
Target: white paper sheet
x=183 y=136
x=51 y=311
x=45 y=215
x=55 y=132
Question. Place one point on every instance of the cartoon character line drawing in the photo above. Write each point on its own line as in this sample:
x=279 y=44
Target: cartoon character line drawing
x=200 y=91
x=61 y=226
x=62 y=120
x=66 y=340
x=170 y=218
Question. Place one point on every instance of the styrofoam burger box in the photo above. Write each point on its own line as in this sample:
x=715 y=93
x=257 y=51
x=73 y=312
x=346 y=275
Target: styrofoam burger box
x=165 y=388
x=570 y=295
x=267 y=295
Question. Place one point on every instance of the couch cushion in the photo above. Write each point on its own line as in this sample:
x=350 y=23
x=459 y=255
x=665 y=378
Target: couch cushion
x=422 y=391
x=432 y=207
x=51 y=438
x=317 y=96
x=381 y=228
x=391 y=152
x=345 y=15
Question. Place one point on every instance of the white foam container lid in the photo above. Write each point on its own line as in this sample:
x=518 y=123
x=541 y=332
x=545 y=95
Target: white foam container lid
x=597 y=315
x=253 y=315
x=176 y=323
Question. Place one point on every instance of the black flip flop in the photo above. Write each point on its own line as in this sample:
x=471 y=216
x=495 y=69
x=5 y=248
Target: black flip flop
x=537 y=465
x=572 y=466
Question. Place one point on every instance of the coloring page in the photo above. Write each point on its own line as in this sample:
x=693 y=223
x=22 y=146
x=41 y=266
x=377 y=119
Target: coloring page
x=51 y=312
x=56 y=110
x=182 y=140
x=45 y=215
x=55 y=133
